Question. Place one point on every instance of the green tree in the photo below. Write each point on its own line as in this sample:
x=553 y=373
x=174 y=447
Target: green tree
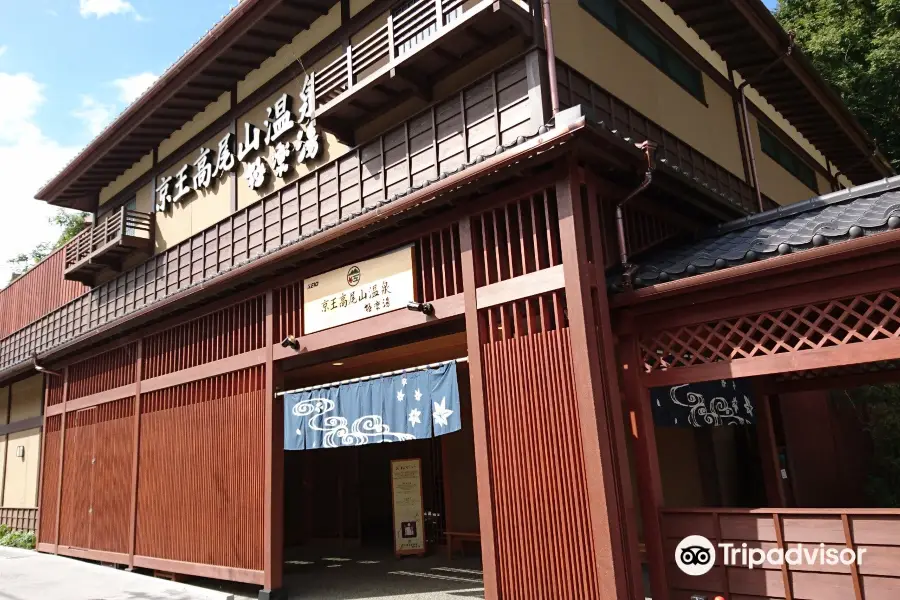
x=70 y=222
x=855 y=45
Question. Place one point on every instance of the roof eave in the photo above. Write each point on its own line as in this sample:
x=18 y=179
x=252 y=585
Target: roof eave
x=846 y=250
x=207 y=48
x=764 y=22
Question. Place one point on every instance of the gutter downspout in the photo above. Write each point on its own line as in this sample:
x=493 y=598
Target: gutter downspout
x=551 y=56
x=628 y=269
x=742 y=90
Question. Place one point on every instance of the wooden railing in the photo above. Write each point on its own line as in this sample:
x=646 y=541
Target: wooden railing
x=875 y=577
x=121 y=222
x=20 y=519
x=406 y=26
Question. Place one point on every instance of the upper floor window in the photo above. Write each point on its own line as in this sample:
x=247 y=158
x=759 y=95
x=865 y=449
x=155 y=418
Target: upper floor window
x=780 y=153
x=640 y=37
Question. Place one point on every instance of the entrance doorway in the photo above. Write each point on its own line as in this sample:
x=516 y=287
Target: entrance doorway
x=339 y=502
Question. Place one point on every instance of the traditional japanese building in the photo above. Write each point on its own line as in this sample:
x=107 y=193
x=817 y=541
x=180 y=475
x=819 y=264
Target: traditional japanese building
x=548 y=250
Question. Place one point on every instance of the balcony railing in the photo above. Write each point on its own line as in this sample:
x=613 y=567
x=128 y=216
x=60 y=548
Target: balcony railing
x=107 y=243
x=418 y=41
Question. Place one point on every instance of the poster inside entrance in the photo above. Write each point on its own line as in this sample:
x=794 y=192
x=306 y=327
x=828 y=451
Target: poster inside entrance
x=409 y=522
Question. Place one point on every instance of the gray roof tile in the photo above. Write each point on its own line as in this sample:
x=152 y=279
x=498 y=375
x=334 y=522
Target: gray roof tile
x=861 y=211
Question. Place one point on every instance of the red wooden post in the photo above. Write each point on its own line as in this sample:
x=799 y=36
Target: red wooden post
x=768 y=452
x=62 y=455
x=138 y=374
x=598 y=394
x=43 y=453
x=479 y=417
x=649 y=478
x=274 y=464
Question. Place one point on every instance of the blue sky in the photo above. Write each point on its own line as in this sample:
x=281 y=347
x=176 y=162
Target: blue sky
x=67 y=68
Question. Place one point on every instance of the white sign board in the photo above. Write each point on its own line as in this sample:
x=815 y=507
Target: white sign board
x=409 y=522
x=358 y=291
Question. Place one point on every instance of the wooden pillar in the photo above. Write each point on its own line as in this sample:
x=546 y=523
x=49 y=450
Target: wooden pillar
x=62 y=456
x=649 y=478
x=40 y=485
x=136 y=436
x=599 y=403
x=274 y=467
x=768 y=453
x=479 y=418
x=9 y=399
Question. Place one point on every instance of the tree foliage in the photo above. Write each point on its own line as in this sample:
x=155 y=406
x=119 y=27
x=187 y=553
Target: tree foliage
x=69 y=222
x=855 y=45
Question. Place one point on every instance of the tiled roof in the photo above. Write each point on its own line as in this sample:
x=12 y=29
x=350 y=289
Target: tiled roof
x=861 y=211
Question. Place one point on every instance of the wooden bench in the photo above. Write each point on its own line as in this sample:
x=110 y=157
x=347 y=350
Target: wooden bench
x=453 y=537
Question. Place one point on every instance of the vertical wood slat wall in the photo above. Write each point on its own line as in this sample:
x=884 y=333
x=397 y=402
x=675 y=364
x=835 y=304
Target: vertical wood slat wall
x=200 y=459
x=200 y=481
x=531 y=411
x=37 y=292
x=49 y=484
x=473 y=123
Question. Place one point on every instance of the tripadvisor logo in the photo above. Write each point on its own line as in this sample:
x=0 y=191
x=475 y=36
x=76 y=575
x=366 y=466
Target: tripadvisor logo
x=695 y=555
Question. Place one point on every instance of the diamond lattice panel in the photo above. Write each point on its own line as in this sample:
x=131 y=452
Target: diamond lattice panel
x=853 y=320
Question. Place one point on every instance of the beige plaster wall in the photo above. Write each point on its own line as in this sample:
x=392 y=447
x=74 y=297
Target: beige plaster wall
x=127 y=178
x=595 y=51
x=192 y=215
x=20 y=480
x=774 y=180
x=690 y=36
x=289 y=53
x=200 y=121
x=27 y=398
x=358 y=5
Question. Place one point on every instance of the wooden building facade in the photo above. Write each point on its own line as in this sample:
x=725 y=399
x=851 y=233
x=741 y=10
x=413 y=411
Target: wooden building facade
x=531 y=194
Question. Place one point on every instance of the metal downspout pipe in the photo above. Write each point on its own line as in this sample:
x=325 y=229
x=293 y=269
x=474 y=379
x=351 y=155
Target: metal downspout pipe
x=551 y=56
x=628 y=269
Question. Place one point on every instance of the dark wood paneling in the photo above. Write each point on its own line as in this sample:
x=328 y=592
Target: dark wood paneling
x=20 y=519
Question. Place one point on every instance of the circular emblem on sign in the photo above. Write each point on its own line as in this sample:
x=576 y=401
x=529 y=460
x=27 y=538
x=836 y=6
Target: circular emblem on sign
x=353 y=276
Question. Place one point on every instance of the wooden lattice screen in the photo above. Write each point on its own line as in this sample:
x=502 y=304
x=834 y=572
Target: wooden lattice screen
x=861 y=318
